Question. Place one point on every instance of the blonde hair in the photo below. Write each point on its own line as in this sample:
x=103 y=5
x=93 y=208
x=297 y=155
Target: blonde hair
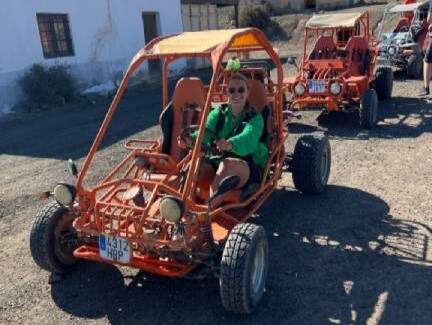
x=240 y=77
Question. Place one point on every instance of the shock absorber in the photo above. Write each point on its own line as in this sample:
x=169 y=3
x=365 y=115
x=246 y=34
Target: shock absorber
x=207 y=233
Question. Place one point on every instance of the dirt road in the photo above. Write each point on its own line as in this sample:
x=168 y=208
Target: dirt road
x=359 y=253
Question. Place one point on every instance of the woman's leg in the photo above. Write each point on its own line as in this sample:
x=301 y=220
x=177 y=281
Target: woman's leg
x=229 y=167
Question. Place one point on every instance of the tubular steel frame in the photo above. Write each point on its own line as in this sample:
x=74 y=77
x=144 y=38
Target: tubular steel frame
x=98 y=217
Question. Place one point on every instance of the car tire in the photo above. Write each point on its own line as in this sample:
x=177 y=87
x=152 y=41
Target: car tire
x=45 y=246
x=415 y=66
x=243 y=269
x=383 y=83
x=311 y=164
x=368 y=112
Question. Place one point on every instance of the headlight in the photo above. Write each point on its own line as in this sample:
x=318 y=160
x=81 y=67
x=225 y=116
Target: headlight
x=171 y=208
x=307 y=74
x=299 y=89
x=335 y=88
x=391 y=50
x=64 y=193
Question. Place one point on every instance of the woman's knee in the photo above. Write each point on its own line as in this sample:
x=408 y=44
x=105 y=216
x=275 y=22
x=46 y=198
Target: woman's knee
x=233 y=166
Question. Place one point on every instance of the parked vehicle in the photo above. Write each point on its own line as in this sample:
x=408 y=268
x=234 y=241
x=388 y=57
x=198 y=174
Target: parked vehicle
x=151 y=213
x=404 y=46
x=338 y=69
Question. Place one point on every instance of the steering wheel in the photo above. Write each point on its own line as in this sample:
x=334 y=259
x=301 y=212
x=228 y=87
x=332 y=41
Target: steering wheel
x=186 y=134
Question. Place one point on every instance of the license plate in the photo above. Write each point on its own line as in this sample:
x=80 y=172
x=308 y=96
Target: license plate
x=114 y=248
x=317 y=86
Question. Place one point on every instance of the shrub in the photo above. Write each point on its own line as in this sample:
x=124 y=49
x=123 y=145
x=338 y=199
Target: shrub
x=259 y=18
x=255 y=17
x=45 y=87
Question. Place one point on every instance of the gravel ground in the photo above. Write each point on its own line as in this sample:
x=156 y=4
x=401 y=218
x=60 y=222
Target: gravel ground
x=360 y=253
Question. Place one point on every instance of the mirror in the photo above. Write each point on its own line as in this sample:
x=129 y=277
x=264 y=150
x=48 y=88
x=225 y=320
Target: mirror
x=72 y=168
x=292 y=61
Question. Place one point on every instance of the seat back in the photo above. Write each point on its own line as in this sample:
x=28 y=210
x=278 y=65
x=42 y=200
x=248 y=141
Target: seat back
x=357 y=50
x=185 y=109
x=403 y=23
x=324 y=48
x=258 y=100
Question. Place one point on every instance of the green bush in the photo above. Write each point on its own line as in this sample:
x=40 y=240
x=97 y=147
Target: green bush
x=259 y=18
x=255 y=17
x=46 y=87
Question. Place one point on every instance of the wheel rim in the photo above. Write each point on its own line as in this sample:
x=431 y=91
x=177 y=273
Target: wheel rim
x=63 y=234
x=258 y=268
x=324 y=166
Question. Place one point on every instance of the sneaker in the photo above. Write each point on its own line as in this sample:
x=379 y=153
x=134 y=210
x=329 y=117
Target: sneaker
x=424 y=91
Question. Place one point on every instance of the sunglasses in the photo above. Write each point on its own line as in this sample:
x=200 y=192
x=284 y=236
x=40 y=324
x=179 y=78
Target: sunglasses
x=233 y=90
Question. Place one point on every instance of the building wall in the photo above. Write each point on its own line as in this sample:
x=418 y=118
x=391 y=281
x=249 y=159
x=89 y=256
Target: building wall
x=300 y=5
x=297 y=5
x=195 y=18
x=105 y=35
x=199 y=17
x=324 y=4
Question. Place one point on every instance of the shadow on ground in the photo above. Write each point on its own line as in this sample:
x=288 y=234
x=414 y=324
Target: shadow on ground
x=399 y=117
x=69 y=133
x=334 y=258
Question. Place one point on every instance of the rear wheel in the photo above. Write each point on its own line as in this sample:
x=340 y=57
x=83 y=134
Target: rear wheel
x=368 y=112
x=415 y=66
x=384 y=82
x=52 y=238
x=244 y=268
x=311 y=164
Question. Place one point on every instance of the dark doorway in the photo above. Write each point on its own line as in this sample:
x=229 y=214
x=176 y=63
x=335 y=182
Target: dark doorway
x=150 y=23
x=310 y=4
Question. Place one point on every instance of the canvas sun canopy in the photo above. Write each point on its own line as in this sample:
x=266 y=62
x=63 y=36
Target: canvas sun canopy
x=407 y=8
x=333 y=20
x=204 y=41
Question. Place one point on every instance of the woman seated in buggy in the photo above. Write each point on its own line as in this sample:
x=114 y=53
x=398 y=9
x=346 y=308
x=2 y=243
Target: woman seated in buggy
x=238 y=128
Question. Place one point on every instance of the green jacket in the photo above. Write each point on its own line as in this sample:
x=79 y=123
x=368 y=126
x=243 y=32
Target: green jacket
x=245 y=143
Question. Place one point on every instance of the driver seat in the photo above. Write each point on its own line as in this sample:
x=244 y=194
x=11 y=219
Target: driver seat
x=185 y=109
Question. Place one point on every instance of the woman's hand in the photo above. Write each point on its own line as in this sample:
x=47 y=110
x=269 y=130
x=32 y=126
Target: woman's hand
x=184 y=144
x=223 y=145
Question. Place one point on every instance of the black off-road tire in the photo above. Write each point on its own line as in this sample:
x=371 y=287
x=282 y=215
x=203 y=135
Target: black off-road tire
x=414 y=67
x=44 y=243
x=383 y=83
x=368 y=112
x=246 y=247
x=311 y=163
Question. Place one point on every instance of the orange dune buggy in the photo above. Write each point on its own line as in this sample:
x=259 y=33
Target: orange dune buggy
x=151 y=212
x=339 y=72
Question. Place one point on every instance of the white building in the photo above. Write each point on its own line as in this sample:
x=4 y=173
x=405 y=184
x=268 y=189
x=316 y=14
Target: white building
x=97 y=38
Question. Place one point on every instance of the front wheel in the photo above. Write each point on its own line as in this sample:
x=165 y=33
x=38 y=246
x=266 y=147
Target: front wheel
x=384 y=82
x=311 y=164
x=415 y=66
x=368 y=112
x=52 y=239
x=243 y=269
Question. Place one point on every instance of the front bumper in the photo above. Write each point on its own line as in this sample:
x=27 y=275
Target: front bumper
x=328 y=103
x=165 y=268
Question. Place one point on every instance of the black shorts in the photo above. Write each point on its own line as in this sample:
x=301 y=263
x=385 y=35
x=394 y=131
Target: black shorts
x=255 y=170
x=428 y=54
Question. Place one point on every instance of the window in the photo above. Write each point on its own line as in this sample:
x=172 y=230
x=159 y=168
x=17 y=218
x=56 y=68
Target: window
x=55 y=35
